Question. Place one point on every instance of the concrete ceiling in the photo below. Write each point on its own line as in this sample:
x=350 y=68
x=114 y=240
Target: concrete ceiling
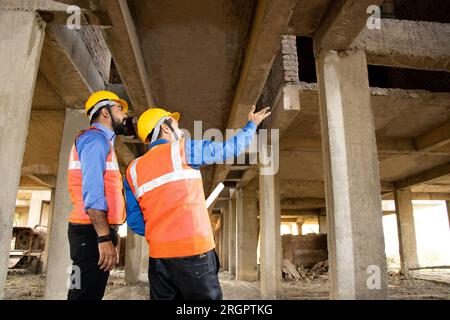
x=397 y=114
x=193 y=52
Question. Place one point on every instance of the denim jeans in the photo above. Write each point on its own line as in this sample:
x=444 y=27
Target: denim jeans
x=187 y=278
x=84 y=254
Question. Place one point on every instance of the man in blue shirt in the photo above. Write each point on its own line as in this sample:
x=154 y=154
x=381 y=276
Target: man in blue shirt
x=165 y=202
x=95 y=187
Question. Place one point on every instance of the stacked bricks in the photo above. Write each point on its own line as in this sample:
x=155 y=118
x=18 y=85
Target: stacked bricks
x=290 y=59
x=284 y=71
x=96 y=45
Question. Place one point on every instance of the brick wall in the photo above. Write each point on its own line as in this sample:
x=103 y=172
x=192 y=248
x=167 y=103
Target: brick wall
x=96 y=45
x=284 y=71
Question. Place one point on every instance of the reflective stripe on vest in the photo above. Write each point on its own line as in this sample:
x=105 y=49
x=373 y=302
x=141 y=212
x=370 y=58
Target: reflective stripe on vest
x=76 y=165
x=112 y=184
x=178 y=173
x=172 y=201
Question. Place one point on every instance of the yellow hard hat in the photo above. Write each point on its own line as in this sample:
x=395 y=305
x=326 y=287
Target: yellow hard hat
x=98 y=96
x=150 y=118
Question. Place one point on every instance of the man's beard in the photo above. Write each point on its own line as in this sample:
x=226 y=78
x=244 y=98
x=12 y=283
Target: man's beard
x=119 y=127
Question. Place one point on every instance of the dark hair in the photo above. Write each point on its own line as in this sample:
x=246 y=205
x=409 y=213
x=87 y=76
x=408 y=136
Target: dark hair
x=95 y=115
x=168 y=122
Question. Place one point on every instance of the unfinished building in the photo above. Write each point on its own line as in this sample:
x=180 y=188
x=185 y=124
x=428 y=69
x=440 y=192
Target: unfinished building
x=360 y=101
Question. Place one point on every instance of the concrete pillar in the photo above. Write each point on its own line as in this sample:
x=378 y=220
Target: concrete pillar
x=21 y=35
x=232 y=237
x=447 y=203
x=35 y=212
x=59 y=263
x=406 y=230
x=299 y=224
x=247 y=233
x=47 y=237
x=270 y=246
x=352 y=182
x=323 y=224
x=144 y=256
x=225 y=237
x=133 y=251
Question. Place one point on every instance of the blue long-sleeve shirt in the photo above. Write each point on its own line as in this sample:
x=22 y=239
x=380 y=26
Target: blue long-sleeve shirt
x=93 y=148
x=198 y=153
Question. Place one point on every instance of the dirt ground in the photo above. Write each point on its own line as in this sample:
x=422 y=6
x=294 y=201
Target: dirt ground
x=21 y=284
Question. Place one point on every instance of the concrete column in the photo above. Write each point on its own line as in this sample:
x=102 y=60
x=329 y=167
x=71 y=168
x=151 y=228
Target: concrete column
x=299 y=224
x=225 y=237
x=232 y=237
x=35 y=212
x=447 y=203
x=133 y=251
x=144 y=256
x=352 y=182
x=59 y=263
x=247 y=233
x=323 y=224
x=270 y=246
x=47 y=237
x=21 y=35
x=406 y=230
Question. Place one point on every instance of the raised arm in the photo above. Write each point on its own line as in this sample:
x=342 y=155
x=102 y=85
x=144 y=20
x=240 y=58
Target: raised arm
x=203 y=152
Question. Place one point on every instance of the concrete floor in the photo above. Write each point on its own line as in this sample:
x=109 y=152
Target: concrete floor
x=21 y=285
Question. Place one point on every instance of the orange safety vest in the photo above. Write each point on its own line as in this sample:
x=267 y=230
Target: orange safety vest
x=170 y=195
x=113 y=187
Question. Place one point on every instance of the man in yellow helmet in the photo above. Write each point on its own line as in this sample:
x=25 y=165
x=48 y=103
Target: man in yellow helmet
x=166 y=203
x=96 y=191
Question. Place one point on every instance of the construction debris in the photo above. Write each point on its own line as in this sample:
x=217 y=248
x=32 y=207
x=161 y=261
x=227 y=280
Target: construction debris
x=290 y=271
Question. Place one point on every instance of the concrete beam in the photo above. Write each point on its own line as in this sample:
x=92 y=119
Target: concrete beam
x=424 y=176
x=22 y=35
x=299 y=212
x=285 y=108
x=125 y=48
x=434 y=196
x=270 y=22
x=33 y=5
x=76 y=75
x=434 y=138
x=43 y=180
x=302 y=203
x=407 y=44
x=425 y=143
x=341 y=23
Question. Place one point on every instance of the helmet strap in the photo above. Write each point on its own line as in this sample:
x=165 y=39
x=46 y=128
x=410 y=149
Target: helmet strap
x=157 y=129
x=171 y=129
x=96 y=107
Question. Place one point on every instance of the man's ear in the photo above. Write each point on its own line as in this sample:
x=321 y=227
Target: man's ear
x=105 y=112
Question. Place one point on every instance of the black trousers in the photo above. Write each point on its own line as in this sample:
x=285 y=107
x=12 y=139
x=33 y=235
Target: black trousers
x=88 y=282
x=187 y=278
